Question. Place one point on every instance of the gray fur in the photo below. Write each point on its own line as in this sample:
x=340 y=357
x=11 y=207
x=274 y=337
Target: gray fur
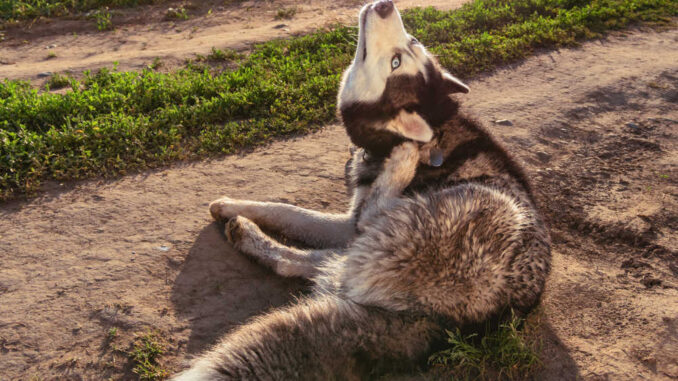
x=420 y=249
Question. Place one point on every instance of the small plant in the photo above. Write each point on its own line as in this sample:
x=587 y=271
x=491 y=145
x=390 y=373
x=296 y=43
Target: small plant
x=285 y=13
x=14 y=10
x=51 y=54
x=506 y=352
x=156 y=64
x=57 y=81
x=112 y=333
x=146 y=350
x=103 y=19
x=176 y=13
x=223 y=55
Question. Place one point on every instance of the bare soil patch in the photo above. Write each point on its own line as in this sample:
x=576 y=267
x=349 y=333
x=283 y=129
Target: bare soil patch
x=595 y=126
x=142 y=34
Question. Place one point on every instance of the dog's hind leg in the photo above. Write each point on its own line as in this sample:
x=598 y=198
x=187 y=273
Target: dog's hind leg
x=286 y=261
x=314 y=228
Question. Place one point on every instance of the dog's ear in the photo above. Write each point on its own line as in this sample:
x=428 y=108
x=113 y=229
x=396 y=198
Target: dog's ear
x=452 y=84
x=411 y=126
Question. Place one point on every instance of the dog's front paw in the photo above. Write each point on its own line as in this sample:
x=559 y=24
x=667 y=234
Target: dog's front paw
x=222 y=209
x=405 y=154
x=401 y=165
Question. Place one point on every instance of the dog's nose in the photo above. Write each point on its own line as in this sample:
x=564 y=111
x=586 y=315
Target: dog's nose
x=384 y=8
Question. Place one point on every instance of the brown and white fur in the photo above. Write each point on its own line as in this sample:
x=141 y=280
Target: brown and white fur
x=423 y=246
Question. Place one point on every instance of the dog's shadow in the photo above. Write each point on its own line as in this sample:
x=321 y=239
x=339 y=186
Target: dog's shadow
x=219 y=288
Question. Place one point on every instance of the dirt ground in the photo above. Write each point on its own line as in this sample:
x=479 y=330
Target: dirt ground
x=143 y=33
x=596 y=128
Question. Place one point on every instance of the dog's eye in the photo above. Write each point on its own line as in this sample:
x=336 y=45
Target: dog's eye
x=395 y=62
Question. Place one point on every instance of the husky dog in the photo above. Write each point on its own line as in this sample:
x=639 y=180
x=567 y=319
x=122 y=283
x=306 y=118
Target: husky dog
x=442 y=230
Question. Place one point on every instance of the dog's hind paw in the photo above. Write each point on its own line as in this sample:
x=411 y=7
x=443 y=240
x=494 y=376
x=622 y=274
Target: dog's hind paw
x=233 y=230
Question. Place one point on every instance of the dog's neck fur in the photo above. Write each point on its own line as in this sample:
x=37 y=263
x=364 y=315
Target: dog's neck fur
x=470 y=154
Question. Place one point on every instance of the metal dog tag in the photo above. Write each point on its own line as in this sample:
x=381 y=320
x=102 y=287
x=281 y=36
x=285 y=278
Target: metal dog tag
x=436 y=157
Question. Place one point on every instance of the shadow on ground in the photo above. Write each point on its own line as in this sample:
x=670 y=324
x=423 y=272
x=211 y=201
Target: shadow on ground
x=219 y=289
x=557 y=364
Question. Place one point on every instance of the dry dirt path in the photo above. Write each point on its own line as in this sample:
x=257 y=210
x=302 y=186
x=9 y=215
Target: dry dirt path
x=142 y=34
x=141 y=252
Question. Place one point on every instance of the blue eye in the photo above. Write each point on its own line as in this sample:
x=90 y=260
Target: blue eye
x=395 y=62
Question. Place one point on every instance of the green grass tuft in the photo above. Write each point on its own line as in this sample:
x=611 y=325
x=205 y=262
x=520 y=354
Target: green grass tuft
x=103 y=19
x=144 y=355
x=507 y=353
x=27 y=9
x=224 y=55
x=113 y=122
x=178 y=13
x=156 y=64
x=58 y=81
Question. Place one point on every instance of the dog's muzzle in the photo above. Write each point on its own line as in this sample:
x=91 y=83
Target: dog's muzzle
x=383 y=8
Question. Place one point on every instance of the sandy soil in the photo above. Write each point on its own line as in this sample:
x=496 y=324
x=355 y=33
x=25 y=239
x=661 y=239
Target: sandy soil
x=596 y=128
x=142 y=34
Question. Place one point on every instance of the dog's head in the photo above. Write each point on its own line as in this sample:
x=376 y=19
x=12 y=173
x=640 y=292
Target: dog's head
x=394 y=89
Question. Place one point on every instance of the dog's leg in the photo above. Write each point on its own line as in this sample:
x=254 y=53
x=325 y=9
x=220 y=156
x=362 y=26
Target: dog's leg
x=314 y=228
x=286 y=261
x=399 y=170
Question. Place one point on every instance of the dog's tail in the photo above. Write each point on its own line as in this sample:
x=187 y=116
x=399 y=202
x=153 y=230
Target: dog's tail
x=322 y=338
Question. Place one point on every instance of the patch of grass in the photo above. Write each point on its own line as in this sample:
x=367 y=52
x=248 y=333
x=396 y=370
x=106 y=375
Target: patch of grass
x=223 y=55
x=58 y=81
x=285 y=13
x=507 y=352
x=114 y=122
x=112 y=333
x=144 y=355
x=51 y=54
x=103 y=19
x=26 y=9
x=156 y=64
x=485 y=34
x=178 y=13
